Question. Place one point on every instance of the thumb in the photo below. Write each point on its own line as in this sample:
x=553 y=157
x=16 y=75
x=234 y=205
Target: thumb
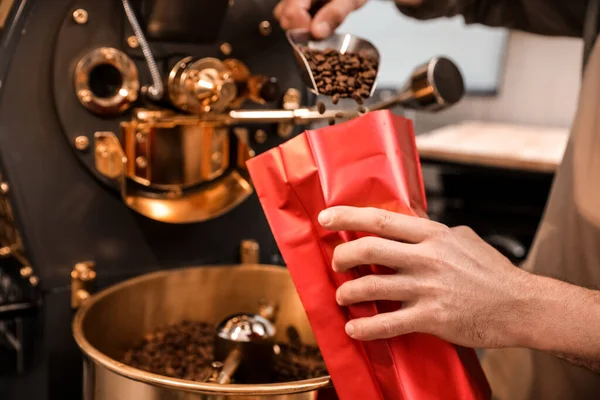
x=332 y=15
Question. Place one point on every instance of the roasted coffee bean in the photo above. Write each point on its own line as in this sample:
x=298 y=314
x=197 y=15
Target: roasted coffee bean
x=356 y=96
x=321 y=107
x=185 y=351
x=342 y=75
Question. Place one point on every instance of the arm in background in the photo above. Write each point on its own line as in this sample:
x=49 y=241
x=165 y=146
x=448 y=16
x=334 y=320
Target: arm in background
x=544 y=17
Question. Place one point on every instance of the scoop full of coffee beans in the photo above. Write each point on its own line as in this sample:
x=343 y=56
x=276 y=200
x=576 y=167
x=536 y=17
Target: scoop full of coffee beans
x=348 y=75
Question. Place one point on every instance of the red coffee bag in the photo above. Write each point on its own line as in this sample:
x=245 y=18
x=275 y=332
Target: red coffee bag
x=370 y=161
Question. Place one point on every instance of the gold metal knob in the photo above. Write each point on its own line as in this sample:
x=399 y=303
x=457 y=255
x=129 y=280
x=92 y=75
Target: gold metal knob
x=132 y=42
x=265 y=28
x=82 y=143
x=26 y=272
x=226 y=49
x=80 y=16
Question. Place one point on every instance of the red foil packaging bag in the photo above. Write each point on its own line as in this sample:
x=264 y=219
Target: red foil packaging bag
x=370 y=161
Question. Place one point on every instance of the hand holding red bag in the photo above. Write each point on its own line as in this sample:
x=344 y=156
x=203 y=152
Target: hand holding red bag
x=370 y=161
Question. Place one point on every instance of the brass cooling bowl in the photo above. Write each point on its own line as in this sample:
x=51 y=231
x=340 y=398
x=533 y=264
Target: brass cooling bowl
x=108 y=323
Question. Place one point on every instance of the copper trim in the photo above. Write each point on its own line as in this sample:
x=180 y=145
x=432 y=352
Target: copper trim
x=124 y=96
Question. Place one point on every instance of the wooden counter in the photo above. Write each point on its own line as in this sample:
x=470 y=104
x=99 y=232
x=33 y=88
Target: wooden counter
x=528 y=148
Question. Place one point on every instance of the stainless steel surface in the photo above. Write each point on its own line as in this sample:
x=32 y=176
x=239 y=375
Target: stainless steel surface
x=433 y=86
x=111 y=321
x=243 y=342
x=246 y=328
x=342 y=42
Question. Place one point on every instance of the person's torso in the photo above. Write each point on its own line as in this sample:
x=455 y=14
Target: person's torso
x=567 y=247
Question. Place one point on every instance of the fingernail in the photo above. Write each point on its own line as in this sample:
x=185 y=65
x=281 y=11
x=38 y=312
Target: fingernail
x=333 y=267
x=350 y=329
x=325 y=217
x=322 y=30
x=338 y=297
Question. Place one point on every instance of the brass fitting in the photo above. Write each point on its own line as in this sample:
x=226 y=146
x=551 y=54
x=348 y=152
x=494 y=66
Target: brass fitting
x=83 y=277
x=250 y=252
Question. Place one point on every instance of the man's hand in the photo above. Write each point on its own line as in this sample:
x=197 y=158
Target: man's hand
x=295 y=14
x=451 y=282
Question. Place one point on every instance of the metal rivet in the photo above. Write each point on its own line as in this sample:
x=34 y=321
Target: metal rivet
x=85 y=96
x=260 y=136
x=5 y=251
x=82 y=143
x=3 y=187
x=265 y=28
x=140 y=137
x=34 y=280
x=141 y=162
x=133 y=42
x=226 y=49
x=26 y=272
x=102 y=149
x=80 y=16
x=292 y=99
x=217 y=157
x=285 y=130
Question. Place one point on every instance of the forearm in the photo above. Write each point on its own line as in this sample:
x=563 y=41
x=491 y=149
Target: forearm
x=546 y=17
x=561 y=319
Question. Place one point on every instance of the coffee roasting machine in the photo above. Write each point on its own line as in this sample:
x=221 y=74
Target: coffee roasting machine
x=124 y=131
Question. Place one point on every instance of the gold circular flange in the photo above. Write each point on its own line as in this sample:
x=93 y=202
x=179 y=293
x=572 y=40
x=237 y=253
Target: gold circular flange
x=125 y=95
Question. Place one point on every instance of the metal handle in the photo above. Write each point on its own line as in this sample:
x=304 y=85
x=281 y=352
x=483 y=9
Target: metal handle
x=433 y=86
x=230 y=365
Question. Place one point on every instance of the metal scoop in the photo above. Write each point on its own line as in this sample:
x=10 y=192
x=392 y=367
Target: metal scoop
x=244 y=347
x=342 y=42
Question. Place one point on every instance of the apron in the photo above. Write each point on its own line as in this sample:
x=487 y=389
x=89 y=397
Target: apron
x=567 y=247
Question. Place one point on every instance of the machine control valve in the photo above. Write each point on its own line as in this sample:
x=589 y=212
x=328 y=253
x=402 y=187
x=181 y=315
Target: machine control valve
x=209 y=85
x=201 y=86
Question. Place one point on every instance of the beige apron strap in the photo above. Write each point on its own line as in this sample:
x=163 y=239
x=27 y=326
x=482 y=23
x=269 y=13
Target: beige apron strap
x=499 y=366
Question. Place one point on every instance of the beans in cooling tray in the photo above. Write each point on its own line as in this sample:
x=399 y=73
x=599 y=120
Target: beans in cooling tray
x=185 y=351
x=349 y=75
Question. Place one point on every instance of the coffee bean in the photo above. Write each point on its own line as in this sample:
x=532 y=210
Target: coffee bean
x=356 y=96
x=321 y=107
x=349 y=74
